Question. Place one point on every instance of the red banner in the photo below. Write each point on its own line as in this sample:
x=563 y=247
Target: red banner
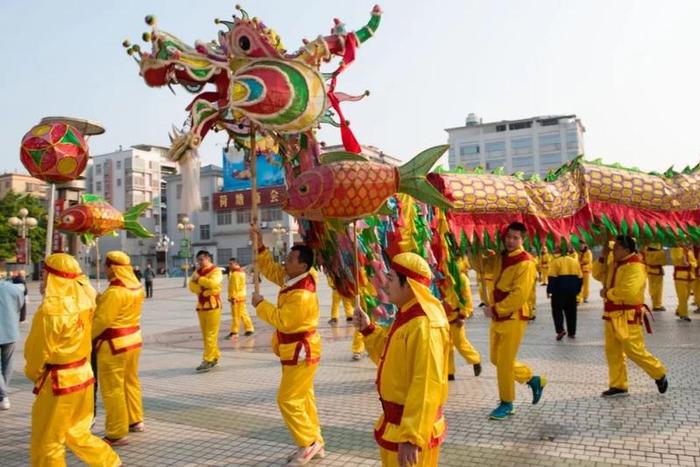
x=230 y=200
x=57 y=241
x=21 y=250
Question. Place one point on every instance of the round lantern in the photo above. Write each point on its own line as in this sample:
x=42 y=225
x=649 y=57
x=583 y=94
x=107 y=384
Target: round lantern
x=54 y=152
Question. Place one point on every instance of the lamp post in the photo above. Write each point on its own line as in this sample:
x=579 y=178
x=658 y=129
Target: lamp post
x=186 y=228
x=164 y=245
x=279 y=231
x=23 y=223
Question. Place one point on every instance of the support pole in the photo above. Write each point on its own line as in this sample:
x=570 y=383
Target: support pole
x=49 y=221
x=254 y=207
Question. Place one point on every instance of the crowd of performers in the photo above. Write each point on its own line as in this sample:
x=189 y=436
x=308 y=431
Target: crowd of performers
x=414 y=356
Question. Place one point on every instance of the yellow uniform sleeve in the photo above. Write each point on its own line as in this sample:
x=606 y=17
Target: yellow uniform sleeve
x=600 y=271
x=108 y=305
x=523 y=279
x=425 y=352
x=629 y=285
x=240 y=283
x=194 y=286
x=692 y=260
x=375 y=342
x=287 y=317
x=272 y=271
x=212 y=283
x=468 y=306
x=39 y=344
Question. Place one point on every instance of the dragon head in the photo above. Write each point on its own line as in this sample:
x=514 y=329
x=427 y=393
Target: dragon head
x=247 y=37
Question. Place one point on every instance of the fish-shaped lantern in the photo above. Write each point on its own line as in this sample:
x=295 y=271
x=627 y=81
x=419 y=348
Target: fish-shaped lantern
x=348 y=187
x=95 y=218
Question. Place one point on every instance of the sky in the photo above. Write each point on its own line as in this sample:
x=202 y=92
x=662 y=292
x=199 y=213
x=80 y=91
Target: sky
x=628 y=69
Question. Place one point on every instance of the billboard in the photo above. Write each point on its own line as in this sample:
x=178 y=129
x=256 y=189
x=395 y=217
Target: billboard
x=269 y=170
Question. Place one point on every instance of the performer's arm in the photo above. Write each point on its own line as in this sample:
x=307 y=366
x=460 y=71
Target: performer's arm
x=211 y=284
x=522 y=288
x=628 y=284
x=286 y=317
x=37 y=347
x=269 y=268
x=108 y=304
x=194 y=285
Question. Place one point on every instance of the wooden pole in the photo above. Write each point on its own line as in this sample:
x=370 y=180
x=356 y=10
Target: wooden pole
x=49 y=222
x=254 y=207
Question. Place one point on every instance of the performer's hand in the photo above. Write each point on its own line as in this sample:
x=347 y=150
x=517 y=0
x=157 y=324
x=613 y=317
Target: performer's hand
x=459 y=323
x=360 y=319
x=408 y=454
x=195 y=277
x=257 y=298
x=604 y=292
x=489 y=311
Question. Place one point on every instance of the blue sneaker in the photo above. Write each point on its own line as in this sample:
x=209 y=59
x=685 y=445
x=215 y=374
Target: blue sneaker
x=537 y=384
x=502 y=411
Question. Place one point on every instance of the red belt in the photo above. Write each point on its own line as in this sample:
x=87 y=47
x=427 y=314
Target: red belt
x=207 y=300
x=52 y=368
x=393 y=413
x=641 y=313
x=655 y=270
x=498 y=296
x=112 y=333
x=302 y=340
x=677 y=269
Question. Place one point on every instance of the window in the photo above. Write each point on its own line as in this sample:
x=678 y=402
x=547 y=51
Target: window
x=98 y=186
x=98 y=169
x=119 y=182
x=522 y=164
x=119 y=165
x=469 y=149
x=243 y=216
x=204 y=232
x=521 y=146
x=495 y=149
x=572 y=141
x=550 y=160
x=178 y=191
x=550 y=142
x=223 y=255
x=205 y=203
x=244 y=255
x=500 y=127
x=224 y=218
x=549 y=122
x=271 y=215
x=495 y=164
x=520 y=125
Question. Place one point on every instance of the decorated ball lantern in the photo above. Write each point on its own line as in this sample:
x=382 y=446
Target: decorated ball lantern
x=54 y=152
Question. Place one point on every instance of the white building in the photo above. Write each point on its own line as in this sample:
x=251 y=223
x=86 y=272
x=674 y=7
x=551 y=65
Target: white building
x=531 y=145
x=128 y=177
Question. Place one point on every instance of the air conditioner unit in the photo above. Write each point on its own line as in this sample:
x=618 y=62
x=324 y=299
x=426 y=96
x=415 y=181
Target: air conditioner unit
x=263 y=225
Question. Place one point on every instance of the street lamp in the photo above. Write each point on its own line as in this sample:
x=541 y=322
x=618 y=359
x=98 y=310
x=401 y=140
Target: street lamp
x=164 y=245
x=23 y=223
x=186 y=228
x=279 y=231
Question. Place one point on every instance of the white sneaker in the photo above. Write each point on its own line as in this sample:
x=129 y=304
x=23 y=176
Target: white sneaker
x=356 y=356
x=304 y=455
x=5 y=404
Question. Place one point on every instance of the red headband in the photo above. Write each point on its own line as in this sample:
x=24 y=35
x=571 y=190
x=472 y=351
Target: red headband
x=65 y=275
x=410 y=274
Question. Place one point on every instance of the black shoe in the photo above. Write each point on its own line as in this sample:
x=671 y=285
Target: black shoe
x=333 y=321
x=560 y=335
x=659 y=308
x=684 y=318
x=450 y=377
x=571 y=336
x=249 y=333
x=662 y=384
x=231 y=334
x=615 y=392
x=349 y=319
x=477 y=369
x=482 y=304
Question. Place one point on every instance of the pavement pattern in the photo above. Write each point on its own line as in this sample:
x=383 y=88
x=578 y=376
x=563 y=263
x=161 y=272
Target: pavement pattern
x=229 y=416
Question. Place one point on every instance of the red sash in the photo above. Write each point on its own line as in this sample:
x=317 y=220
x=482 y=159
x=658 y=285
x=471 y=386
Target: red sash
x=52 y=369
x=302 y=340
x=112 y=333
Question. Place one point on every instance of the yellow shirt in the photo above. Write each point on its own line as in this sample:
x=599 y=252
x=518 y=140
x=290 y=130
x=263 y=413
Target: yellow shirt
x=296 y=315
x=207 y=286
x=655 y=260
x=625 y=282
x=119 y=307
x=412 y=357
x=586 y=261
x=682 y=258
x=544 y=260
x=236 y=285
x=517 y=282
x=564 y=266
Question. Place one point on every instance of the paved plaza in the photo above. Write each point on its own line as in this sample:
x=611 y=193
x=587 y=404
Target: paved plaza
x=229 y=416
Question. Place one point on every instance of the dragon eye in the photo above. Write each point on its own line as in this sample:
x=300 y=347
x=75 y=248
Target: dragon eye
x=68 y=219
x=303 y=189
x=244 y=43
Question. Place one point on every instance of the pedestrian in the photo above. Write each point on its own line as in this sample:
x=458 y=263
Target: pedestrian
x=11 y=303
x=236 y=297
x=412 y=359
x=655 y=259
x=565 y=282
x=684 y=265
x=586 y=263
x=295 y=319
x=117 y=341
x=456 y=317
x=624 y=279
x=336 y=300
x=148 y=276
x=57 y=352
x=206 y=283
x=543 y=262
x=21 y=280
x=509 y=315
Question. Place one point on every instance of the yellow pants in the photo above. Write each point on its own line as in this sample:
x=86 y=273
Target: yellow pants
x=459 y=341
x=632 y=347
x=297 y=403
x=60 y=421
x=348 y=305
x=532 y=300
x=238 y=313
x=118 y=377
x=426 y=457
x=209 y=322
x=544 y=275
x=505 y=339
x=585 y=288
x=358 y=342
x=656 y=290
x=696 y=292
x=683 y=293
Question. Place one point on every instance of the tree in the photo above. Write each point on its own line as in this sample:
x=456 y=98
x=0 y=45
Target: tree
x=9 y=207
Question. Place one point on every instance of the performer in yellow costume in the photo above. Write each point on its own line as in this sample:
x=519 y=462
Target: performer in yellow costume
x=485 y=271
x=543 y=263
x=206 y=283
x=336 y=300
x=116 y=335
x=456 y=318
x=57 y=355
x=586 y=262
x=624 y=281
x=696 y=294
x=236 y=297
x=412 y=359
x=510 y=314
x=296 y=342
x=684 y=265
x=655 y=259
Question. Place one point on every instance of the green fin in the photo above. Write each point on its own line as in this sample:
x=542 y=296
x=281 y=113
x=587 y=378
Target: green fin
x=339 y=156
x=412 y=179
x=385 y=210
x=87 y=238
x=131 y=223
x=90 y=197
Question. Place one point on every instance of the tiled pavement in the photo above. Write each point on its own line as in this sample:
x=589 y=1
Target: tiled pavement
x=229 y=416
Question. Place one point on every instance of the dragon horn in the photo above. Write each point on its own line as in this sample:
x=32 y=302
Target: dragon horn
x=368 y=31
x=243 y=12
